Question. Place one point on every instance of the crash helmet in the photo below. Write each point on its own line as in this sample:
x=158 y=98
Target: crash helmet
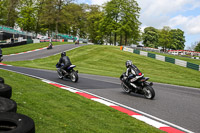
x=63 y=54
x=128 y=63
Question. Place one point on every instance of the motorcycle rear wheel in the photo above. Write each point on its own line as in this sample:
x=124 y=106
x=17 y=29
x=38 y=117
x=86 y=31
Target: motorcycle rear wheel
x=74 y=76
x=149 y=92
x=127 y=90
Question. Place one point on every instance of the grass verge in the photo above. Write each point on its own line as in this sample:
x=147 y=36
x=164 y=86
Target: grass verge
x=110 y=61
x=58 y=111
x=27 y=47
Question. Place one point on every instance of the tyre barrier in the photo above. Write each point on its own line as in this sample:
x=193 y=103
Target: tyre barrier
x=7 y=105
x=5 y=90
x=11 y=122
x=1 y=80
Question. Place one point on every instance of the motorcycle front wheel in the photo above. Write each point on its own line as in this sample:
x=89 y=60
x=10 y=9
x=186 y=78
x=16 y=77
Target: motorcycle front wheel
x=60 y=74
x=149 y=92
x=74 y=76
x=126 y=89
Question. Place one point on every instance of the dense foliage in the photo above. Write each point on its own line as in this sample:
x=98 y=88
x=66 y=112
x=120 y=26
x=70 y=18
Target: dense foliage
x=197 y=48
x=116 y=21
x=166 y=38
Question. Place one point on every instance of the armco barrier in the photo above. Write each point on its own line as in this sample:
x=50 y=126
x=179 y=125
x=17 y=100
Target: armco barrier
x=143 y=53
x=163 y=58
x=193 y=66
x=151 y=55
x=160 y=57
x=181 y=62
x=136 y=51
x=12 y=44
x=128 y=49
x=170 y=60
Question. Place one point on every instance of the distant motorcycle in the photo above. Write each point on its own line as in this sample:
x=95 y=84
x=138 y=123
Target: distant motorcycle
x=1 y=55
x=76 y=42
x=143 y=86
x=70 y=73
x=50 y=46
x=1 y=58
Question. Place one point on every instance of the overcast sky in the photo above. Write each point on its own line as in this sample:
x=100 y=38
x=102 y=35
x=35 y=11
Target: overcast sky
x=182 y=14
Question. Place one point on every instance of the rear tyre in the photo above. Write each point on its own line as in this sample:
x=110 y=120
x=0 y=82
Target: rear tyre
x=126 y=89
x=16 y=123
x=5 y=90
x=149 y=92
x=7 y=105
x=1 y=80
x=74 y=76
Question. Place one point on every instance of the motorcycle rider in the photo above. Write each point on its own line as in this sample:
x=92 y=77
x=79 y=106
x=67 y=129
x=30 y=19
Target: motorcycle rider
x=50 y=44
x=65 y=61
x=1 y=55
x=77 y=40
x=133 y=72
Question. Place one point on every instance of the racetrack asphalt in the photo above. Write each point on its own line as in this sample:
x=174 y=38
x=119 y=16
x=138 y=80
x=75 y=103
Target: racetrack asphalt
x=41 y=53
x=175 y=104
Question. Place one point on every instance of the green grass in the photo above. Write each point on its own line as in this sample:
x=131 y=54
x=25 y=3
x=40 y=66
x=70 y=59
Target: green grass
x=27 y=47
x=195 y=61
x=110 y=61
x=59 y=111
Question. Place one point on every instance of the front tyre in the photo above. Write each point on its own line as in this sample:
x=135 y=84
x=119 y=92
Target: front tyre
x=149 y=92
x=60 y=74
x=74 y=76
x=126 y=89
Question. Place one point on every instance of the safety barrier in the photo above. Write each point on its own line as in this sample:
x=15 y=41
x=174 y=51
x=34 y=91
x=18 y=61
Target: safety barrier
x=163 y=58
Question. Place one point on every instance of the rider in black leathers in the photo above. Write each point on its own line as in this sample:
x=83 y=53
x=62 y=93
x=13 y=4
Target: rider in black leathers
x=1 y=55
x=132 y=71
x=65 y=61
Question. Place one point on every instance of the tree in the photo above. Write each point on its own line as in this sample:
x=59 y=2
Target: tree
x=197 y=48
x=94 y=16
x=76 y=18
x=121 y=18
x=52 y=14
x=27 y=16
x=3 y=12
x=112 y=18
x=150 y=37
x=8 y=12
x=177 y=39
x=164 y=37
x=129 y=21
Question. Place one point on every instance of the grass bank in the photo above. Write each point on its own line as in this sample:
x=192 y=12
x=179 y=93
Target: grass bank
x=110 y=61
x=27 y=47
x=58 y=111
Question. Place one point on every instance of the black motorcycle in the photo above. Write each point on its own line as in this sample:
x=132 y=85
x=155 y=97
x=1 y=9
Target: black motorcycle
x=70 y=73
x=50 y=46
x=1 y=58
x=77 y=42
x=143 y=86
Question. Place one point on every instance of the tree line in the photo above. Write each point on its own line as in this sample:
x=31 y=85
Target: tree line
x=166 y=38
x=116 y=22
